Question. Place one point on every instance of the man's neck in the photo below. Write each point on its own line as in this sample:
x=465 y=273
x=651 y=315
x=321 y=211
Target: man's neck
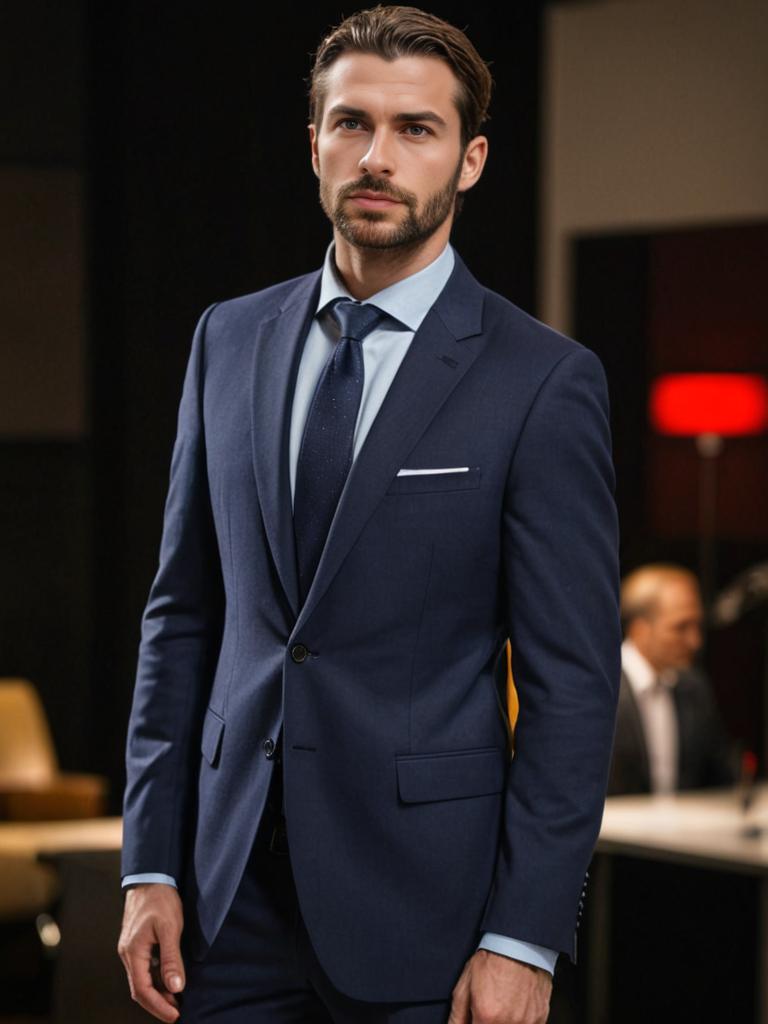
x=368 y=271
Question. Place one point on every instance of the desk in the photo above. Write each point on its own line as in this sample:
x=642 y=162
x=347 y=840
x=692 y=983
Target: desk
x=75 y=864
x=28 y=885
x=705 y=829
x=28 y=838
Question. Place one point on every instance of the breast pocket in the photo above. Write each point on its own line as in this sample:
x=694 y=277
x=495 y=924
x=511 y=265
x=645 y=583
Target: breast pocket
x=443 y=480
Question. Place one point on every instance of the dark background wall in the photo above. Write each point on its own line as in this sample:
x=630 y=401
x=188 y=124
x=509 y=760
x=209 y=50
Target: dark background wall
x=184 y=127
x=45 y=475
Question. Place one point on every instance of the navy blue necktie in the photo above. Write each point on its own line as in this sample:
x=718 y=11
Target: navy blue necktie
x=326 y=449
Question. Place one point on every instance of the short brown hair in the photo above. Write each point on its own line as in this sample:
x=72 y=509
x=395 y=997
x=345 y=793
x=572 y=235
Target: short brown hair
x=391 y=32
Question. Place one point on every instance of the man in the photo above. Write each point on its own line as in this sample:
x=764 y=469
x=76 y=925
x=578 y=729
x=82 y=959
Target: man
x=669 y=735
x=382 y=471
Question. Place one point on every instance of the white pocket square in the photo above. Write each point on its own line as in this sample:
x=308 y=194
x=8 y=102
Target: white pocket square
x=423 y=472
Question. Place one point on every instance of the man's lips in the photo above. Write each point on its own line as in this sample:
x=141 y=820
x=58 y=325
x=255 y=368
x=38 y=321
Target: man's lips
x=374 y=200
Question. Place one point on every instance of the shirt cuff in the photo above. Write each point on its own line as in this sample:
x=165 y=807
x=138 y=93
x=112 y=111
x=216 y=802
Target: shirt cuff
x=539 y=956
x=149 y=877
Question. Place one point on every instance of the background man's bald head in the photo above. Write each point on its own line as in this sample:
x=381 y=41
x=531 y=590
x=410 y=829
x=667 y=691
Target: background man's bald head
x=643 y=590
x=661 y=613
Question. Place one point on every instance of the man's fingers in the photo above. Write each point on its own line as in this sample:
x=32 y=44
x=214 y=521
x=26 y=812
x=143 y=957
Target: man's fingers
x=460 y=1001
x=144 y=992
x=171 y=965
x=153 y=921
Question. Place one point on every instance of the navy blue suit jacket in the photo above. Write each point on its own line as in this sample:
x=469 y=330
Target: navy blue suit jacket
x=411 y=827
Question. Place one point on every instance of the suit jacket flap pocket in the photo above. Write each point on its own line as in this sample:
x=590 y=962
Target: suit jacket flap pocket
x=213 y=728
x=460 y=773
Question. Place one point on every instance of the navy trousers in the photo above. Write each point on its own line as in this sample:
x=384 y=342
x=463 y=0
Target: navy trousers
x=261 y=968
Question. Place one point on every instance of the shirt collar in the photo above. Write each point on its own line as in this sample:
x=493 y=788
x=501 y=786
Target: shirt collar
x=641 y=674
x=408 y=300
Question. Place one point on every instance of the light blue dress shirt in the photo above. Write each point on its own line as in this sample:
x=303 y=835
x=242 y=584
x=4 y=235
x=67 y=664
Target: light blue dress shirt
x=406 y=302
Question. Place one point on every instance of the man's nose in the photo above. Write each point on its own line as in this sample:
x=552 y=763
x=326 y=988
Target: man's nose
x=379 y=157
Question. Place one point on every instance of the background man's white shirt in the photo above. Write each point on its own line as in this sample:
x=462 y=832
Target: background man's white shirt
x=656 y=704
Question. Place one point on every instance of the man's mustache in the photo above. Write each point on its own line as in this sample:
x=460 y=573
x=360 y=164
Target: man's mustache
x=373 y=185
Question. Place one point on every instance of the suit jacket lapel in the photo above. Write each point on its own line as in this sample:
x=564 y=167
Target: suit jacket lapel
x=277 y=354
x=641 y=767
x=434 y=364
x=686 y=734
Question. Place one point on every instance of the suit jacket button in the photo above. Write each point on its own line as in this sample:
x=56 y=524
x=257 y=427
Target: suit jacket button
x=268 y=746
x=299 y=652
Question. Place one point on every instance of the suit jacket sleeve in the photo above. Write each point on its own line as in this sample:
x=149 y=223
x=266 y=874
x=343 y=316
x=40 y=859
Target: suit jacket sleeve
x=560 y=587
x=180 y=638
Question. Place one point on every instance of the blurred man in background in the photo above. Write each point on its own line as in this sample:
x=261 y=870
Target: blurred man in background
x=669 y=735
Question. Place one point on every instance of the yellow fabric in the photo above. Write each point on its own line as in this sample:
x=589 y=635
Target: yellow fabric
x=513 y=704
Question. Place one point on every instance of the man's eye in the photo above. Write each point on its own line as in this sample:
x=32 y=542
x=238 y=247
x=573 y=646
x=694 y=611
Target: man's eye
x=420 y=128
x=349 y=121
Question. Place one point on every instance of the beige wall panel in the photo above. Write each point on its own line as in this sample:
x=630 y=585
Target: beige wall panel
x=655 y=116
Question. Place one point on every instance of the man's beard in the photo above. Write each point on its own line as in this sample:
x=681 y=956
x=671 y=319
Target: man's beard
x=360 y=229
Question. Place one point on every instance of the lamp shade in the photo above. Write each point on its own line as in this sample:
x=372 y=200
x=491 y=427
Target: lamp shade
x=729 y=404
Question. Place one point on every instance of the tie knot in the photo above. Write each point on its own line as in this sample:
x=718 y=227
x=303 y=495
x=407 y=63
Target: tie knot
x=356 y=319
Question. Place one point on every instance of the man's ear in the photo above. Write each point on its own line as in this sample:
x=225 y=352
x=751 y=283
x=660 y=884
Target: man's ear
x=475 y=156
x=313 y=147
x=638 y=631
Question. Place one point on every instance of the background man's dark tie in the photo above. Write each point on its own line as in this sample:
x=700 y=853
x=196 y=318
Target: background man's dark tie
x=326 y=449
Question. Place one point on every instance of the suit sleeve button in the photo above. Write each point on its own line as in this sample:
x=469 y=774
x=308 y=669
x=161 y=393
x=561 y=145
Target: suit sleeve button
x=299 y=652
x=268 y=747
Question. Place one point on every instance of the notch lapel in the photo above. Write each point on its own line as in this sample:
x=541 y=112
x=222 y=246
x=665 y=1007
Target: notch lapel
x=432 y=367
x=277 y=353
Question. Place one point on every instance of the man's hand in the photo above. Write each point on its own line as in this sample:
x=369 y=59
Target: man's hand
x=152 y=918
x=495 y=989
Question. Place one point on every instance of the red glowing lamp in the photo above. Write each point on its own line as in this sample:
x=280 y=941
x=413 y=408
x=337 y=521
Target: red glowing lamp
x=691 y=404
x=709 y=407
